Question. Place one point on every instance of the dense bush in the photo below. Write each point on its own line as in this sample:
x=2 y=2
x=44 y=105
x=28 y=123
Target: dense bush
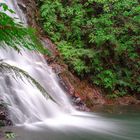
x=99 y=39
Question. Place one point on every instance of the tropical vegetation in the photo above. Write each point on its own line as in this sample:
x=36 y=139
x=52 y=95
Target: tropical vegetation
x=15 y=35
x=98 y=39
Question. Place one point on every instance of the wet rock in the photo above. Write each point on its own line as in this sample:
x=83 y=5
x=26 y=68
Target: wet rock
x=4 y=116
x=66 y=85
x=56 y=68
x=30 y=10
x=84 y=96
x=77 y=100
x=22 y=6
x=79 y=104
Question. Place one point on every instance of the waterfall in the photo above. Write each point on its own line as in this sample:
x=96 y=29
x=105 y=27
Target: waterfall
x=25 y=102
x=37 y=117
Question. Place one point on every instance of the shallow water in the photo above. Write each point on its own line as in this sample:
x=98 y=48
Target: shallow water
x=95 y=126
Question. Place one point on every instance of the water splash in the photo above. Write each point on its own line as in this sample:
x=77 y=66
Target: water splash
x=39 y=117
x=26 y=103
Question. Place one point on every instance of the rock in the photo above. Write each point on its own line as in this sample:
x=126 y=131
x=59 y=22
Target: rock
x=79 y=104
x=78 y=101
x=67 y=86
x=4 y=116
x=56 y=68
x=22 y=6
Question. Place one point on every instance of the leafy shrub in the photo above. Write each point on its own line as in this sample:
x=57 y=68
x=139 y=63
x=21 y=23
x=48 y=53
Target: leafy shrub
x=15 y=35
x=99 y=39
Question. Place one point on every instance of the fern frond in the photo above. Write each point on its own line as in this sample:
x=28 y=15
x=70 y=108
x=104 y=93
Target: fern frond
x=16 y=36
x=16 y=72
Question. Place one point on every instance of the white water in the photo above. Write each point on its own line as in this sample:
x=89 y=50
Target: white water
x=39 y=118
x=25 y=102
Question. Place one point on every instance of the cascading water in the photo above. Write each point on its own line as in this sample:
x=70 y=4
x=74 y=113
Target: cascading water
x=40 y=118
x=25 y=102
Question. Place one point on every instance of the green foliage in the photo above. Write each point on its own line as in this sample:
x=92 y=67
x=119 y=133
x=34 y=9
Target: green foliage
x=16 y=72
x=99 y=39
x=15 y=35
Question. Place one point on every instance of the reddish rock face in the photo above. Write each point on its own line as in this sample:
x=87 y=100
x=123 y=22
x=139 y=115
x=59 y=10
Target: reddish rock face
x=80 y=91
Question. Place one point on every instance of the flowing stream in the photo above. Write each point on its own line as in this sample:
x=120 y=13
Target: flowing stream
x=36 y=117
